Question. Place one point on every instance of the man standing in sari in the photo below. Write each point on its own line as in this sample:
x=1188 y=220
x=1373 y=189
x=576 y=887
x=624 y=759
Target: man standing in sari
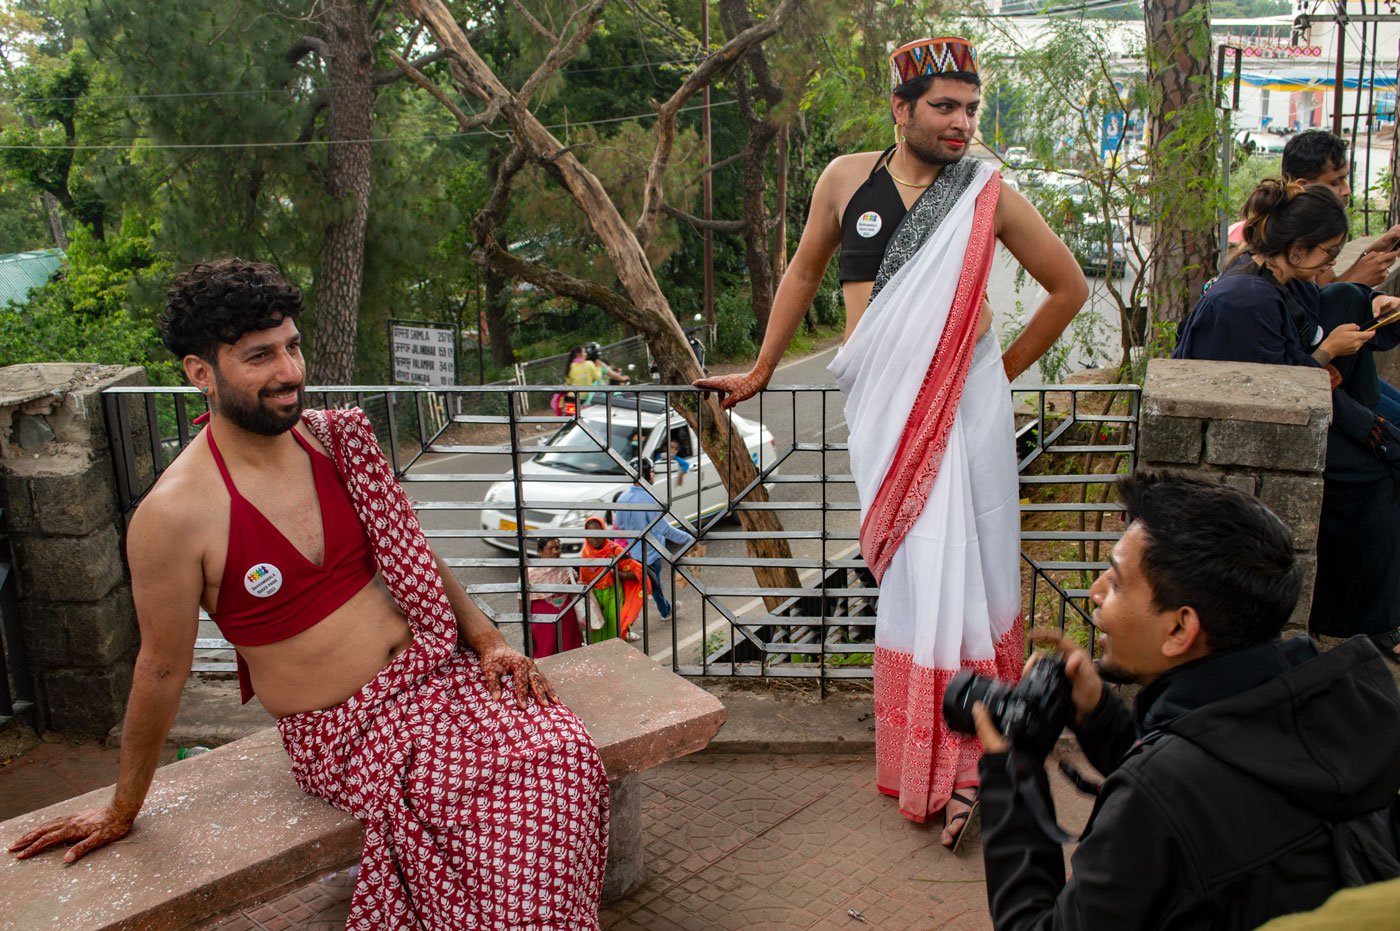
x=928 y=405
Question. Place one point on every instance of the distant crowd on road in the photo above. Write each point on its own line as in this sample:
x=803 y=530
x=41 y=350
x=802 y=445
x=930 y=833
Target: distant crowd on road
x=584 y=367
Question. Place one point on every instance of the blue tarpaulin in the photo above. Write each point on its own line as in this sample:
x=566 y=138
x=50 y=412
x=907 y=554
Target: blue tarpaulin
x=1308 y=82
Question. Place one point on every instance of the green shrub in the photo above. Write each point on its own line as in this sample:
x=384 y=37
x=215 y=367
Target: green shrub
x=736 y=336
x=89 y=312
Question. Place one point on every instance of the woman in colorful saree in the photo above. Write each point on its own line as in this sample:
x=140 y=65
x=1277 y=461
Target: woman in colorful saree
x=620 y=587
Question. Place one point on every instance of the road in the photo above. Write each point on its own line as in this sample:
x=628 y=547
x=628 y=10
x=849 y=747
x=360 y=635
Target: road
x=792 y=417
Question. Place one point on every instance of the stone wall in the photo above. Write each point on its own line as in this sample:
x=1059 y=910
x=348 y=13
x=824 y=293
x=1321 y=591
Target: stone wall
x=1259 y=428
x=57 y=486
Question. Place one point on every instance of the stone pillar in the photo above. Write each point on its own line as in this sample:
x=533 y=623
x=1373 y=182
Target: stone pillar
x=626 y=866
x=57 y=485
x=1259 y=428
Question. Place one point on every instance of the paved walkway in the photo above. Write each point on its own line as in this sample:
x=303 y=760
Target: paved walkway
x=759 y=842
x=53 y=769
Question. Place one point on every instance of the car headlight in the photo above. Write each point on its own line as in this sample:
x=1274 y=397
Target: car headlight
x=497 y=493
x=573 y=519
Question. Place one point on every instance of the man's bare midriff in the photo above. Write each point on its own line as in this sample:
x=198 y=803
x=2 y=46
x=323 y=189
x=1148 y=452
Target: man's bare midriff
x=328 y=663
x=857 y=298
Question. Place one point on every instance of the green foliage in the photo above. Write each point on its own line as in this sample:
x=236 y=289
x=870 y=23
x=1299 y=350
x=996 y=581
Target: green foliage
x=23 y=225
x=847 y=98
x=736 y=336
x=1245 y=176
x=94 y=310
x=1219 y=9
x=1079 y=344
x=1055 y=99
x=620 y=158
x=38 y=149
x=1248 y=9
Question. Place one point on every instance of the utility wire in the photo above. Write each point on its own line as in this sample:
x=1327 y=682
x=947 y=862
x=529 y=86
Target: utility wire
x=288 y=90
x=1087 y=7
x=309 y=142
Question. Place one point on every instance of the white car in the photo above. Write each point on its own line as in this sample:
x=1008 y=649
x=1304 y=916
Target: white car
x=581 y=471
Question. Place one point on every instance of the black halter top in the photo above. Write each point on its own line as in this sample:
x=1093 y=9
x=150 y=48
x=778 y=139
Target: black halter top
x=870 y=219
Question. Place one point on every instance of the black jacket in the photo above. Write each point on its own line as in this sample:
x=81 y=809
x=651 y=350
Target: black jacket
x=1247 y=316
x=1244 y=786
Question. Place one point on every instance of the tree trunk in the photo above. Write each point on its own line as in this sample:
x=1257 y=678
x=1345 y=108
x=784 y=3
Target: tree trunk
x=781 y=205
x=649 y=314
x=757 y=255
x=1181 y=115
x=1393 y=215
x=498 y=289
x=753 y=84
x=349 y=125
x=497 y=307
x=60 y=235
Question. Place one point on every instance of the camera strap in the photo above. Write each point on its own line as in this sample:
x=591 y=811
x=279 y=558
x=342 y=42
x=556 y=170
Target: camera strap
x=1080 y=781
x=1035 y=804
x=1026 y=789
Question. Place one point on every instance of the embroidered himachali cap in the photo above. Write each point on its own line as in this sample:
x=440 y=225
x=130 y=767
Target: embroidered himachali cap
x=943 y=55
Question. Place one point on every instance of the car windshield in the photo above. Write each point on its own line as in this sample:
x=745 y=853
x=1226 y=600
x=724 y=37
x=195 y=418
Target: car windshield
x=582 y=451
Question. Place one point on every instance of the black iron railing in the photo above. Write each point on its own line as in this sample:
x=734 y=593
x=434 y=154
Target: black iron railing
x=496 y=471
x=1072 y=443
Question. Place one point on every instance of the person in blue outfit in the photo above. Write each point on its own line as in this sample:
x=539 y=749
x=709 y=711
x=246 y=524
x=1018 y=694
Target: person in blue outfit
x=1266 y=308
x=650 y=548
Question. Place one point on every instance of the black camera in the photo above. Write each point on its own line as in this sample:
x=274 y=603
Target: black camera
x=1031 y=714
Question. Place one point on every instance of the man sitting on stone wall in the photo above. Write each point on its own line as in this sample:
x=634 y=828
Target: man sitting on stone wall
x=289 y=527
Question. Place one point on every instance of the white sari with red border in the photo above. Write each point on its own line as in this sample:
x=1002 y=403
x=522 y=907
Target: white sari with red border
x=932 y=451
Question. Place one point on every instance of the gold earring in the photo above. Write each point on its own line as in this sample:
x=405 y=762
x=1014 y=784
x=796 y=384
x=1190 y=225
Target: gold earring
x=898 y=133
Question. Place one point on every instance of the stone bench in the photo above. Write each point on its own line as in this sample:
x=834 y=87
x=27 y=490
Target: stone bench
x=229 y=829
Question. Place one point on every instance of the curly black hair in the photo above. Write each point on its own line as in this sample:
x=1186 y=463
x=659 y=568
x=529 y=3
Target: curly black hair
x=219 y=301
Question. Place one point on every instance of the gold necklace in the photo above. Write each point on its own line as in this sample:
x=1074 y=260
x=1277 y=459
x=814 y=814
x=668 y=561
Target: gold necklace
x=897 y=179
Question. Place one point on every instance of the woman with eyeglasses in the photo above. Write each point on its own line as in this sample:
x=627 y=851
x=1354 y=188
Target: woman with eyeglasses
x=1264 y=308
x=1267 y=308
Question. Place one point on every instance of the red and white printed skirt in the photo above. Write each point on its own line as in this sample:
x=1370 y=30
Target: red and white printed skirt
x=477 y=814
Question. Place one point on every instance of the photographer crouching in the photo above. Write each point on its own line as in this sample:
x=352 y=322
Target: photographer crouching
x=1253 y=777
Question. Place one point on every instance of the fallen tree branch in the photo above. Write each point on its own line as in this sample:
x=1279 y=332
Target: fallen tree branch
x=390 y=75
x=562 y=52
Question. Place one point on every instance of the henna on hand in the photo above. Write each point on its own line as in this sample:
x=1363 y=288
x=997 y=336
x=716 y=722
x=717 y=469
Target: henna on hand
x=526 y=678
x=89 y=829
x=734 y=389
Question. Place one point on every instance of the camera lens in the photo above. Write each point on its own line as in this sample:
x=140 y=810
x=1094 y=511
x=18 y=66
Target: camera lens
x=965 y=690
